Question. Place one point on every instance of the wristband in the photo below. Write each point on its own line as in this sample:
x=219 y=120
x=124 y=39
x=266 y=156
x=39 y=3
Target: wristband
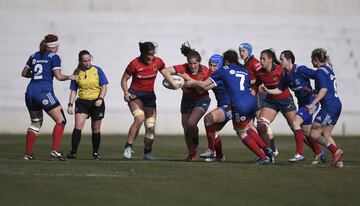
x=70 y=104
x=102 y=99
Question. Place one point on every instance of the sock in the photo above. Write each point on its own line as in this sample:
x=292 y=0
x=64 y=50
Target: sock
x=30 y=139
x=218 y=148
x=251 y=144
x=272 y=144
x=128 y=145
x=194 y=146
x=254 y=135
x=332 y=148
x=57 y=136
x=299 y=139
x=75 y=140
x=96 y=138
x=315 y=147
x=210 y=134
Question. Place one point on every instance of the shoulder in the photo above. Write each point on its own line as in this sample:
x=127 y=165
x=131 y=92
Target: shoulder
x=322 y=70
x=158 y=59
x=53 y=56
x=98 y=68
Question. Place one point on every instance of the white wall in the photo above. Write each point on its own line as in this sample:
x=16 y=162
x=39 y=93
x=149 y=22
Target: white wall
x=111 y=30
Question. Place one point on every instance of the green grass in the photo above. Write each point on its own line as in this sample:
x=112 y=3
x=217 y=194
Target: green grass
x=171 y=181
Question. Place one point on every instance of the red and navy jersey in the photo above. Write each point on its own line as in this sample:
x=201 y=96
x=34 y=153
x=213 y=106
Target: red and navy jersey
x=271 y=80
x=253 y=66
x=144 y=75
x=203 y=73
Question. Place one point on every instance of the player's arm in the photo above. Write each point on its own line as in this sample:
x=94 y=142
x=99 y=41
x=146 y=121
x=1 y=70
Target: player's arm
x=124 y=86
x=167 y=75
x=321 y=77
x=26 y=72
x=61 y=77
x=72 y=96
x=270 y=91
x=206 y=84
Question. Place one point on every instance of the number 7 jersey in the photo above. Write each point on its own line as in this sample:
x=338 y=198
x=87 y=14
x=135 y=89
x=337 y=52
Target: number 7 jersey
x=42 y=66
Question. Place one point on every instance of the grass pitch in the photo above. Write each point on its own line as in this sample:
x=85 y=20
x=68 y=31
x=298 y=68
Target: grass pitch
x=171 y=181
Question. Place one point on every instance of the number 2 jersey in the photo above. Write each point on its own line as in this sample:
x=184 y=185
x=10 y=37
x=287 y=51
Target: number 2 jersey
x=40 y=91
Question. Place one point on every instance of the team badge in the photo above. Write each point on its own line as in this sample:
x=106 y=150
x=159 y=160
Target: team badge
x=33 y=61
x=155 y=67
x=232 y=72
x=45 y=102
x=275 y=78
x=242 y=118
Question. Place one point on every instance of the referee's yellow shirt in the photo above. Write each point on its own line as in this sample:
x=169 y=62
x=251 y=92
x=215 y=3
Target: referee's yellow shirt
x=89 y=83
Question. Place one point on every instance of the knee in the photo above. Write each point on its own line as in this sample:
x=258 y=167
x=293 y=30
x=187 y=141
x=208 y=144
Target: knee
x=35 y=125
x=192 y=126
x=138 y=120
x=208 y=119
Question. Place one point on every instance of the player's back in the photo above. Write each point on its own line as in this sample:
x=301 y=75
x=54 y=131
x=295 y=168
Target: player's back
x=325 y=78
x=41 y=67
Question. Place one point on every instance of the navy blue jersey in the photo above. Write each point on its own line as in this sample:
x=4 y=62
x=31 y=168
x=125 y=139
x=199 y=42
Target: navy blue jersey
x=236 y=80
x=42 y=66
x=221 y=95
x=298 y=80
x=325 y=78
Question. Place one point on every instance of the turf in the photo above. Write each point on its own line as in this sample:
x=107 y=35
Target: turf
x=171 y=181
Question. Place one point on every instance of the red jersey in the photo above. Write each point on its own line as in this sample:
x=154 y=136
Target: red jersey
x=143 y=75
x=271 y=80
x=253 y=66
x=203 y=74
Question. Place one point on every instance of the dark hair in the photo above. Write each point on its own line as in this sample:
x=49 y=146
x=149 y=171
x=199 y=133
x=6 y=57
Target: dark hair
x=81 y=53
x=232 y=57
x=190 y=53
x=289 y=55
x=47 y=39
x=145 y=48
x=271 y=53
x=321 y=55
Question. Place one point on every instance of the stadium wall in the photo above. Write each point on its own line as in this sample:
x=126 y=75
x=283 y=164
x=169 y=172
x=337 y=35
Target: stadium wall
x=111 y=30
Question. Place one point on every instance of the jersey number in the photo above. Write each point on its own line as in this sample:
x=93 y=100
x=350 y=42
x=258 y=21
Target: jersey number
x=332 y=77
x=242 y=81
x=38 y=69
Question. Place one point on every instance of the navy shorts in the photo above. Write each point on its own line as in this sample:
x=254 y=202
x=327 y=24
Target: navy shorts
x=242 y=114
x=147 y=98
x=41 y=99
x=282 y=105
x=260 y=97
x=88 y=107
x=187 y=105
x=307 y=115
x=329 y=114
x=226 y=109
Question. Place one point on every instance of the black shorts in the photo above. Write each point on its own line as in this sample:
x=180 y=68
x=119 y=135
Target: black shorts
x=282 y=105
x=88 y=107
x=147 y=98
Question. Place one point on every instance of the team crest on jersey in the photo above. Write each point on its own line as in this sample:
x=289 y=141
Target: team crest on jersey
x=155 y=67
x=275 y=78
x=232 y=72
x=242 y=118
x=33 y=61
x=45 y=102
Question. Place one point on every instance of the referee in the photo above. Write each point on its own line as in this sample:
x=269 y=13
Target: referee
x=91 y=87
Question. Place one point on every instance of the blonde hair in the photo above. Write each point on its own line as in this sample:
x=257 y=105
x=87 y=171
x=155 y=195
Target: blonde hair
x=321 y=55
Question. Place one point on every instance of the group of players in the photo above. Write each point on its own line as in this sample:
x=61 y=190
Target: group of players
x=257 y=91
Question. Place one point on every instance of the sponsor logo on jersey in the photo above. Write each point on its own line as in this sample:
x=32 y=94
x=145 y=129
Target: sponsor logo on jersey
x=45 y=102
x=232 y=72
x=140 y=69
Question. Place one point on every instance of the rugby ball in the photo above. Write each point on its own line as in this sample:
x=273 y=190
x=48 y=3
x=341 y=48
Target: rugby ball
x=178 y=79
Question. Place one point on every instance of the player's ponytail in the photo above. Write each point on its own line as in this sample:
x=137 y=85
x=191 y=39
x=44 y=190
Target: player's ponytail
x=322 y=56
x=190 y=53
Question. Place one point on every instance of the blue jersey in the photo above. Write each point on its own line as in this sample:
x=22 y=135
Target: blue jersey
x=42 y=66
x=236 y=80
x=298 y=80
x=221 y=95
x=325 y=78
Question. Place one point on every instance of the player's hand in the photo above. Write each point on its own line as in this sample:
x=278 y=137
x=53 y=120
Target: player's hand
x=262 y=88
x=70 y=110
x=309 y=107
x=72 y=77
x=98 y=102
x=189 y=82
x=127 y=96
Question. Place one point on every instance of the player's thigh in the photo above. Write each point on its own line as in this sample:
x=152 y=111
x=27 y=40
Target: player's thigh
x=268 y=114
x=195 y=116
x=80 y=119
x=38 y=114
x=57 y=114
